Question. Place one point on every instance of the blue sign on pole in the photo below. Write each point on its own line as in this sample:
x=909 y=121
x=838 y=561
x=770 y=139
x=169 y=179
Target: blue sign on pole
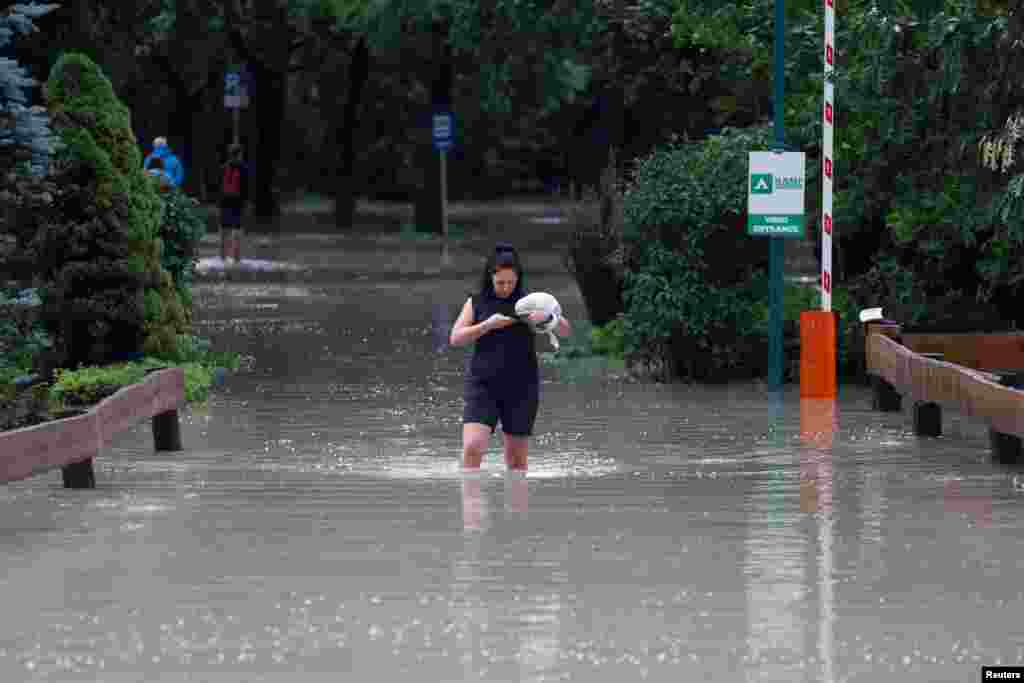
x=236 y=88
x=444 y=125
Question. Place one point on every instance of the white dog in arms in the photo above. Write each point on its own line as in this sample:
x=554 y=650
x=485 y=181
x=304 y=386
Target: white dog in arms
x=544 y=302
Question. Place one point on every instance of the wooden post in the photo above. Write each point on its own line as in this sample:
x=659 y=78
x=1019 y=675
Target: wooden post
x=79 y=475
x=928 y=415
x=1007 y=448
x=167 y=431
x=927 y=419
x=885 y=398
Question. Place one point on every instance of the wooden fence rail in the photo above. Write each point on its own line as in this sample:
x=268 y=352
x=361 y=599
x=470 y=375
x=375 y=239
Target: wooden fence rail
x=901 y=368
x=73 y=442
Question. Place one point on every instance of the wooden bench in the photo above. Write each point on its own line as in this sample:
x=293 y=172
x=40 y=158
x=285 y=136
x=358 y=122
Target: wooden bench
x=72 y=443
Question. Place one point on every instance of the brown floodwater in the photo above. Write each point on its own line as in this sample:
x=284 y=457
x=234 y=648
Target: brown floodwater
x=318 y=526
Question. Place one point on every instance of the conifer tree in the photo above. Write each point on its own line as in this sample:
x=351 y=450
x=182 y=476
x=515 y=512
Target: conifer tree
x=25 y=134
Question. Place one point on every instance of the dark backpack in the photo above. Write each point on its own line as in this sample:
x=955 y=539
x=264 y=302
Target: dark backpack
x=232 y=183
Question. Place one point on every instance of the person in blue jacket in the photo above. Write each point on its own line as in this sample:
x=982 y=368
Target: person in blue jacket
x=503 y=376
x=156 y=169
x=172 y=165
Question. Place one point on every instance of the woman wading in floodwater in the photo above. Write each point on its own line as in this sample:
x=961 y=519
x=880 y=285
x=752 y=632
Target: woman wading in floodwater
x=503 y=377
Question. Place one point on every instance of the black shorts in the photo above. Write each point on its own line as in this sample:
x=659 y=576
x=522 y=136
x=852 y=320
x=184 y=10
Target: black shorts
x=231 y=216
x=514 y=404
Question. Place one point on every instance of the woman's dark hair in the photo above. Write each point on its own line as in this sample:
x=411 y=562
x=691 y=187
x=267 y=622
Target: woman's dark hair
x=503 y=256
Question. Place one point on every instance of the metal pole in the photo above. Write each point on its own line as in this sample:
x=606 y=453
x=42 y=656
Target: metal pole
x=444 y=193
x=235 y=116
x=445 y=256
x=776 y=253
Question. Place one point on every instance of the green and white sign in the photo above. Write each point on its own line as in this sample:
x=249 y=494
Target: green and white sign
x=775 y=194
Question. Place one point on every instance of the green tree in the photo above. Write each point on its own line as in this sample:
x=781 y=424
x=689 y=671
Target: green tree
x=920 y=223
x=505 y=40
x=105 y=294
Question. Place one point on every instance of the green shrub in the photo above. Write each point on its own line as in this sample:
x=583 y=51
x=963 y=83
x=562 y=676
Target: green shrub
x=579 y=358
x=182 y=228
x=193 y=349
x=8 y=373
x=691 y=288
x=609 y=339
x=22 y=336
x=90 y=384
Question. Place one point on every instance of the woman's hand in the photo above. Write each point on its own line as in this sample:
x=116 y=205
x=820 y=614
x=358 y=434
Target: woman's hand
x=498 y=321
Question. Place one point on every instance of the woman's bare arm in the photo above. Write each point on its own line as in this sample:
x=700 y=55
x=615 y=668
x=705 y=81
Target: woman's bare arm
x=465 y=332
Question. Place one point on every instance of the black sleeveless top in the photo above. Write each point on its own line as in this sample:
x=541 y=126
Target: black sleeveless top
x=508 y=353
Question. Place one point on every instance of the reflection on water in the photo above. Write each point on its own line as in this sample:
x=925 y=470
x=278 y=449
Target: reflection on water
x=320 y=524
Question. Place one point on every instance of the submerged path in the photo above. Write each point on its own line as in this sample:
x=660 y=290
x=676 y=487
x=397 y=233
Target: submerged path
x=318 y=527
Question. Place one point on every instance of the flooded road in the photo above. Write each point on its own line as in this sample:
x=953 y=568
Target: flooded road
x=318 y=526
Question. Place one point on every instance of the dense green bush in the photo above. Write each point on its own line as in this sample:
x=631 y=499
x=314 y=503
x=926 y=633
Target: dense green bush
x=105 y=294
x=609 y=339
x=181 y=229
x=22 y=336
x=691 y=284
x=90 y=384
x=929 y=202
x=192 y=349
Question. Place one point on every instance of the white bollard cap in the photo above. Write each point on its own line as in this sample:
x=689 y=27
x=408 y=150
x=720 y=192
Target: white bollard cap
x=869 y=314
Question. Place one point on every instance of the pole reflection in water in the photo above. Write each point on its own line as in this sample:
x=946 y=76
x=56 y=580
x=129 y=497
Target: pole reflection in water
x=774 y=568
x=817 y=431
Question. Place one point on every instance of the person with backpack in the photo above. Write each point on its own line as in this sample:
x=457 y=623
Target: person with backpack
x=234 y=195
x=170 y=163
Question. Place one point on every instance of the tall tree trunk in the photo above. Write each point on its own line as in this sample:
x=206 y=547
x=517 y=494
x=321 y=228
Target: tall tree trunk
x=263 y=142
x=345 y=186
x=266 y=49
x=189 y=74
x=428 y=209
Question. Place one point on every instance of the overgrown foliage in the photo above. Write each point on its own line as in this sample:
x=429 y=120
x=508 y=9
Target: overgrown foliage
x=928 y=221
x=105 y=295
x=182 y=227
x=690 y=285
x=89 y=385
x=84 y=386
x=22 y=336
